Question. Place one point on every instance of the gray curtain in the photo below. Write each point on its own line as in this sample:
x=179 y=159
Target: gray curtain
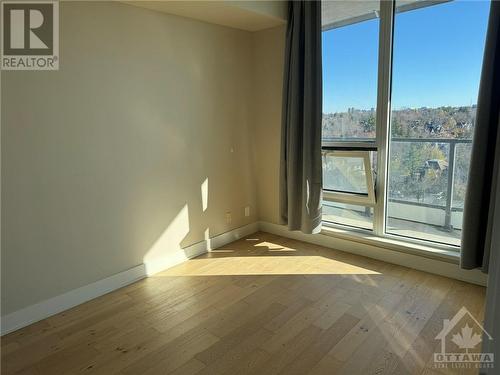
x=480 y=198
x=492 y=312
x=490 y=80
x=300 y=168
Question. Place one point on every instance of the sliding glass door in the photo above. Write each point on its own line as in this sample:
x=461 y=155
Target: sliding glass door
x=401 y=81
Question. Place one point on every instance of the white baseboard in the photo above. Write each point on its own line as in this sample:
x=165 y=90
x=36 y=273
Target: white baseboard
x=34 y=313
x=178 y=256
x=42 y=310
x=159 y=264
x=435 y=266
x=233 y=235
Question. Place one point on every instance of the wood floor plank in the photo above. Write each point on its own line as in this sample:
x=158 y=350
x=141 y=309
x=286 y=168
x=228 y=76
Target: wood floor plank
x=305 y=317
x=250 y=364
x=326 y=366
x=227 y=360
x=261 y=305
x=232 y=339
x=191 y=367
x=422 y=349
x=288 y=350
x=173 y=354
x=387 y=344
x=321 y=346
x=374 y=315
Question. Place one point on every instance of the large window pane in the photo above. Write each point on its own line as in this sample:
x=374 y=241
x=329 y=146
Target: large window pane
x=350 y=66
x=437 y=57
x=350 y=57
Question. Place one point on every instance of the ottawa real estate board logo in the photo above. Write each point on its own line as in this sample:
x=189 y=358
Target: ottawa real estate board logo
x=460 y=346
x=30 y=35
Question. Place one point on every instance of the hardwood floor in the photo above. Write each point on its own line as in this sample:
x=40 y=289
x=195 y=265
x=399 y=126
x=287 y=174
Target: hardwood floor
x=261 y=305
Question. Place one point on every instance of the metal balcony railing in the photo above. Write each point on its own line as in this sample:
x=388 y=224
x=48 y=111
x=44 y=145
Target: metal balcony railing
x=448 y=207
x=369 y=144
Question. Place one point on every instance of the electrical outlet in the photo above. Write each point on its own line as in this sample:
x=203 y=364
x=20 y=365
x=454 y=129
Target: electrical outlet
x=247 y=211
x=228 y=217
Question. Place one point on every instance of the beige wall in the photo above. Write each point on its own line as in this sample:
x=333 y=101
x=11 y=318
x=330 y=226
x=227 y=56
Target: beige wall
x=268 y=85
x=103 y=161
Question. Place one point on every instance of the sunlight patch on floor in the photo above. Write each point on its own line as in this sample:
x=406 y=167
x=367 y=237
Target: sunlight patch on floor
x=266 y=265
x=272 y=246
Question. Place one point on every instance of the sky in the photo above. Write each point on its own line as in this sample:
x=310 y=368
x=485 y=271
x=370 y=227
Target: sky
x=437 y=57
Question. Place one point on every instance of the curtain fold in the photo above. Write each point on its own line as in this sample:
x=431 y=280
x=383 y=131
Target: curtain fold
x=493 y=293
x=301 y=177
x=480 y=199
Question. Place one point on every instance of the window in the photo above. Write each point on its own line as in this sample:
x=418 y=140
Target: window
x=400 y=85
x=347 y=176
x=350 y=55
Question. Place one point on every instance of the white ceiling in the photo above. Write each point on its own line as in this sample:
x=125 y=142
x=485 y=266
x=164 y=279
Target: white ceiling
x=262 y=14
x=244 y=15
x=336 y=13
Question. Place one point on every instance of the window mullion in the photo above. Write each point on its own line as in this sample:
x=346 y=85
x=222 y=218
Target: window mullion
x=383 y=110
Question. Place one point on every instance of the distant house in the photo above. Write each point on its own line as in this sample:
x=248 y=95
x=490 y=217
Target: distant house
x=436 y=165
x=464 y=125
x=433 y=128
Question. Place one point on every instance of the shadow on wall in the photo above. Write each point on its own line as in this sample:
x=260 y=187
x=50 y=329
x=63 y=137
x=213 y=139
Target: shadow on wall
x=174 y=245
